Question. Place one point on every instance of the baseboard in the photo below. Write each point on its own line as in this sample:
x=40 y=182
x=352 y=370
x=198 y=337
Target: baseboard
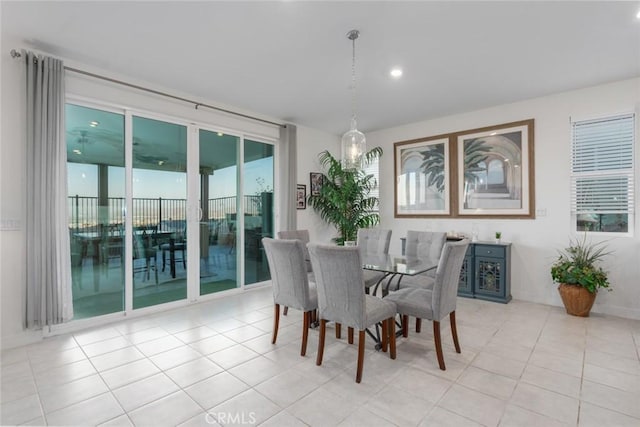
x=24 y=338
x=608 y=309
x=616 y=310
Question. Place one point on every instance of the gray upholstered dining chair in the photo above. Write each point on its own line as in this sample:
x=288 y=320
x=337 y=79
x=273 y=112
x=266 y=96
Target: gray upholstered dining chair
x=373 y=241
x=426 y=245
x=341 y=299
x=436 y=303
x=290 y=282
x=303 y=236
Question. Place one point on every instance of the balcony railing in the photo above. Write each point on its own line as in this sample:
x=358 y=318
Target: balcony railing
x=85 y=213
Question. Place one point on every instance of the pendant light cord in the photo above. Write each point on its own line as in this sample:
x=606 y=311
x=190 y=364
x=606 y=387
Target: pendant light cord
x=353 y=77
x=353 y=35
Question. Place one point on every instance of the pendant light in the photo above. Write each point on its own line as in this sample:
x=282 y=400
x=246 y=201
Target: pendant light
x=354 y=143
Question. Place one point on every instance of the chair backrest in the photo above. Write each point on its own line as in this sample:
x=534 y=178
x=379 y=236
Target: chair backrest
x=374 y=240
x=425 y=245
x=445 y=289
x=338 y=273
x=303 y=236
x=288 y=273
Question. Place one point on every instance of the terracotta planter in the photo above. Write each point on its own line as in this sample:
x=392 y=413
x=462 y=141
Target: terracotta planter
x=577 y=300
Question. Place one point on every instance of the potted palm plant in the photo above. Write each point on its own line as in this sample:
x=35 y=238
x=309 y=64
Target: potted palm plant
x=344 y=199
x=579 y=276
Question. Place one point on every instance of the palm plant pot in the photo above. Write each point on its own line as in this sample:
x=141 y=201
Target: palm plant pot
x=576 y=299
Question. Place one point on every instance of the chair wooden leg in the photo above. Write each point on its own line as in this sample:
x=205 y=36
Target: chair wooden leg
x=360 y=356
x=338 y=330
x=383 y=336
x=438 y=341
x=418 y=325
x=276 y=322
x=305 y=331
x=454 y=330
x=392 y=337
x=405 y=326
x=350 y=334
x=323 y=330
x=285 y=311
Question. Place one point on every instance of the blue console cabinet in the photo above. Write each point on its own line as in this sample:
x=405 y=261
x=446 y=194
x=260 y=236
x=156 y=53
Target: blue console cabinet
x=488 y=265
x=486 y=271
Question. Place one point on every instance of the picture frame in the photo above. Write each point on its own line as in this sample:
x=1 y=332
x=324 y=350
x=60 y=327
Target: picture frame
x=316 y=180
x=495 y=171
x=301 y=196
x=422 y=169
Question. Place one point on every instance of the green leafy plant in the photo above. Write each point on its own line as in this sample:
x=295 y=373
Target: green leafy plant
x=344 y=199
x=498 y=235
x=576 y=265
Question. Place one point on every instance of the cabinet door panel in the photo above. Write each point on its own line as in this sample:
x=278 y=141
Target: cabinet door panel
x=490 y=278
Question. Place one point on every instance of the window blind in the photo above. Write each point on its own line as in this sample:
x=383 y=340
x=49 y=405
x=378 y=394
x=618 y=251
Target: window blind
x=602 y=166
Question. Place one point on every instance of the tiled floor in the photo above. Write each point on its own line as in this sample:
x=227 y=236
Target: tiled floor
x=522 y=364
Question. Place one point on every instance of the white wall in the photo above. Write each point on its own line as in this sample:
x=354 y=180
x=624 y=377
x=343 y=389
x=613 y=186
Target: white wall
x=310 y=143
x=13 y=203
x=535 y=242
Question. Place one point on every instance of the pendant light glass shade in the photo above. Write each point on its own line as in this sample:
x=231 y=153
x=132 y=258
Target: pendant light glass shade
x=354 y=143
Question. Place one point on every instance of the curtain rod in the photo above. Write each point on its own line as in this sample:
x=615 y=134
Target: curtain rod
x=16 y=54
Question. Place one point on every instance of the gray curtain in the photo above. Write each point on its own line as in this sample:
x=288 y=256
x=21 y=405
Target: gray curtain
x=288 y=157
x=48 y=293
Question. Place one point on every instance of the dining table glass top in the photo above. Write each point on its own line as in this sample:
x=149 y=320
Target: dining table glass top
x=397 y=264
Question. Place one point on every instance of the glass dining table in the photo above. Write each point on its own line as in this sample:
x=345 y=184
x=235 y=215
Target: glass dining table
x=393 y=269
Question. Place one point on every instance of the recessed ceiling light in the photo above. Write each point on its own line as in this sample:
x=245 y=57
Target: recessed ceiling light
x=396 y=73
x=638 y=15
x=94 y=124
x=76 y=151
x=220 y=133
x=161 y=162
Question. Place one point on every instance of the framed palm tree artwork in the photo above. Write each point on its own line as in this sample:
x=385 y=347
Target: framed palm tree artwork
x=422 y=172
x=495 y=171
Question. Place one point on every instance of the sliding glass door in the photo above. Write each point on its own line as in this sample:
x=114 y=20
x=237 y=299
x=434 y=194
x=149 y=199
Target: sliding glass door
x=96 y=206
x=259 y=215
x=218 y=205
x=159 y=212
x=163 y=211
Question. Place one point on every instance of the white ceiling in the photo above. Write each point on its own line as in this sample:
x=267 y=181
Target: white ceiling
x=291 y=60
